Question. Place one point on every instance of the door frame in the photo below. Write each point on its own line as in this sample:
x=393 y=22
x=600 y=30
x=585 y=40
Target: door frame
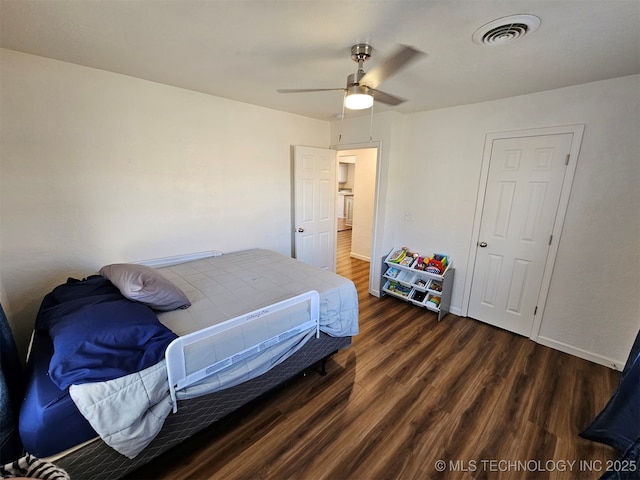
x=563 y=203
x=377 y=144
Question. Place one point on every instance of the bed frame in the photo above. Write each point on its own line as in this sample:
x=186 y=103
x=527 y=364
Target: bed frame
x=97 y=461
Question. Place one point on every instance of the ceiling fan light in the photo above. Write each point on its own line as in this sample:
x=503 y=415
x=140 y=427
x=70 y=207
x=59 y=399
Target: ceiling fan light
x=358 y=101
x=358 y=97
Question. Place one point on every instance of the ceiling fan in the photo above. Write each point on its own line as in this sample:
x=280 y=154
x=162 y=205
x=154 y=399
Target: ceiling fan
x=362 y=86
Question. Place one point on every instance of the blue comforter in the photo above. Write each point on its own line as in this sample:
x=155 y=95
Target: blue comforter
x=98 y=334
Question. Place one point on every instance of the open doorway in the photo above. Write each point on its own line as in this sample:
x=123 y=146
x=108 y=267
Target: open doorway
x=356 y=198
x=344 y=202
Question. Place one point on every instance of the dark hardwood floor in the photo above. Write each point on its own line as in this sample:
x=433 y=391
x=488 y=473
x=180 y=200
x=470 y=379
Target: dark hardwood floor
x=410 y=392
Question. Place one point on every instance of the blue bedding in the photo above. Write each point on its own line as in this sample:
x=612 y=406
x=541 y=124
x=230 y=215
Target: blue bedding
x=10 y=393
x=98 y=334
x=46 y=410
x=618 y=424
x=86 y=331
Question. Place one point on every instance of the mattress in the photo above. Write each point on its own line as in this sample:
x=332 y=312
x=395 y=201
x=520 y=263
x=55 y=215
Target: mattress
x=235 y=283
x=219 y=288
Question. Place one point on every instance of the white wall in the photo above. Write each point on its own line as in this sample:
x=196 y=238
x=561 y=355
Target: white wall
x=98 y=168
x=363 y=204
x=593 y=309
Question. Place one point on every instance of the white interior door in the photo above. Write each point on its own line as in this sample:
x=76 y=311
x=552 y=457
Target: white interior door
x=524 y=186
x=314 y=187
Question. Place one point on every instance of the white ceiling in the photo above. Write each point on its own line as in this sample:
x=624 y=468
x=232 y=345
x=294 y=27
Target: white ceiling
x=246 y=49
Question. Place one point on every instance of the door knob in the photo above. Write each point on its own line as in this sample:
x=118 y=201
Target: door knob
x=482 y=244
x=300 y=229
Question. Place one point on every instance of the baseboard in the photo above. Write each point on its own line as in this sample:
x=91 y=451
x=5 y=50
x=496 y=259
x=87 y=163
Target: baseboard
x=359 y=257
x=578 y=352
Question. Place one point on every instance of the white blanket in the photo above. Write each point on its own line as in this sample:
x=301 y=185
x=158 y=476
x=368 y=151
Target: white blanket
x=127 y=412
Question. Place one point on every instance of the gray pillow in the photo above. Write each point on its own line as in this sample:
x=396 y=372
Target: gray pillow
x=145 y=285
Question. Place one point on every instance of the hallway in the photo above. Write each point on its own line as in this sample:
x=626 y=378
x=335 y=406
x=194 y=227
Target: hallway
x=352 y=268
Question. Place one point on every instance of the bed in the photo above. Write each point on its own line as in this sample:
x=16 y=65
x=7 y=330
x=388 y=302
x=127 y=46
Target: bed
x=252 y=320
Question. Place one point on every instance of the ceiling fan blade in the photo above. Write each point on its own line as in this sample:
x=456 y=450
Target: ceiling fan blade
x=306 y=90
x=387 y=98
x=390 y=66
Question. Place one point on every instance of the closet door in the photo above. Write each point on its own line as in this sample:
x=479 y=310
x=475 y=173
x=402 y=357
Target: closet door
x=524 y=186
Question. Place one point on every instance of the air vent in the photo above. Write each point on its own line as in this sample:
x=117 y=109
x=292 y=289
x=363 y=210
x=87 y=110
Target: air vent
x=506 y=30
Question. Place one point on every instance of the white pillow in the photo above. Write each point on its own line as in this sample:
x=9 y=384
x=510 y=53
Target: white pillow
x=145 y=285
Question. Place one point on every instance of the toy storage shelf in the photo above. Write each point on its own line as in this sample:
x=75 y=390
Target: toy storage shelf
x=408 y=281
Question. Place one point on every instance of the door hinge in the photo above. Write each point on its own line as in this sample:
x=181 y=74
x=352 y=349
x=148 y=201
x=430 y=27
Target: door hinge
x=550 y=239
x=566 y=160
x=535 y=311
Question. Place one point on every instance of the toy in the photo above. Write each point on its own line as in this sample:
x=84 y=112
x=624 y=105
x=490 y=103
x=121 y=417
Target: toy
x=437 y=263
x=435 y=301
x=398 y=255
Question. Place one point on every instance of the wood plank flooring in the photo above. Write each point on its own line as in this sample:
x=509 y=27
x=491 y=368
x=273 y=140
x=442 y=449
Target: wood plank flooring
x=410 y=392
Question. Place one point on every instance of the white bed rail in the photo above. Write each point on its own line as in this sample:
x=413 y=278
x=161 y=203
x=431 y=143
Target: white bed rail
x=176 y=354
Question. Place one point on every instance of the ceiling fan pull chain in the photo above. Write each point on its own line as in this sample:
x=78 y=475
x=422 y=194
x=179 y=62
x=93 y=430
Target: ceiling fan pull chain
x=344 y=99
x=371 y=124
